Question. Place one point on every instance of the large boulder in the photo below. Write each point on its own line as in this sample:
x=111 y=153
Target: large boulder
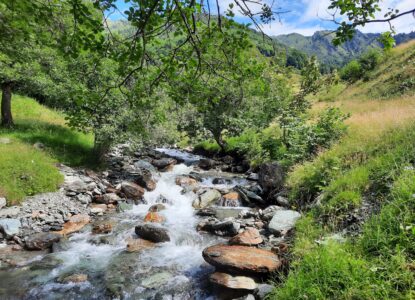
x=283 y=221
x=206 y=197
x=164 y=164
x=152 y=232
x=132 y=190
x=233 y=282
x=10 y=227
x=42 y=240
x=242 y=259
x=250 y=237
x=271 y=177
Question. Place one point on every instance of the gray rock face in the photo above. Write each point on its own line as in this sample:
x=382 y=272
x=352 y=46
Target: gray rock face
x=3 y=202
x=152 y=232
x=271 y=177
x=10 y=212
x=42 y=240
x=283 y=221
x=206 y=197
x=10 y=227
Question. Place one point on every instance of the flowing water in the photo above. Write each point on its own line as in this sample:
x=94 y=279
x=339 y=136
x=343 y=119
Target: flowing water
x=171 y=270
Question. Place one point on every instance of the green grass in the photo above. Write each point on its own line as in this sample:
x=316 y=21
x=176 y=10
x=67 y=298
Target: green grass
x=26 y=170
x=374 y=161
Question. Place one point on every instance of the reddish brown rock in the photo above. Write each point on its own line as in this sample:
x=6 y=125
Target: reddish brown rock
x=74 y=224
x=250 y=237
x=132 y=190
x=242 y=259
x=137 y=245
x=154 y=217
x=233 y=282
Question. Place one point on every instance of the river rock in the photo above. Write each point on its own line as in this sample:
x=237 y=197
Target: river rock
x=98 y=208
x=10 y=227
x=242 y=259
x=271 y=177
x=75 y=278
x=231 y=199
x=3 y=202
x=206 y=197
x=222 y=213
x=283 y=221
x=102 y=227
x=186 y=181
x=156 y=280
x=221 y=228
x=233 y=282
x=42 y=240
x=248 y=197
x=109 y=198
x=132 y=190
x=263 y=290
x=154 y=217
x=75 y=224
x=250 y=237
x=137 y=245
x=207 y=163
x=152 y=232
x=123 y=207
x=157 y=207
x=145 y=179
x=269 y=212
x=10 y=212
x=164 y=164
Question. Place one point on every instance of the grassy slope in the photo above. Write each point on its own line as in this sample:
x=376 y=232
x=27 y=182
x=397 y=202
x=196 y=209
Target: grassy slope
x=374 y=162
x=26 y=170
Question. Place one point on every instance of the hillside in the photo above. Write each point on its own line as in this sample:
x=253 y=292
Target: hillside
x=357 y=197
x=320 y=44
x=28 y=154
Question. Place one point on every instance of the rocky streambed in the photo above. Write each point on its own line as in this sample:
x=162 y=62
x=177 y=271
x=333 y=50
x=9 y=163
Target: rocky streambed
x=162 y=224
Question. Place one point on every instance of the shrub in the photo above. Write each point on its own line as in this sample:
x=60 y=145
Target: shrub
x=352 y=71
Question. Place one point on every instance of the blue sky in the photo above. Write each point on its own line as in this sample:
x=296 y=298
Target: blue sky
x=307 y=16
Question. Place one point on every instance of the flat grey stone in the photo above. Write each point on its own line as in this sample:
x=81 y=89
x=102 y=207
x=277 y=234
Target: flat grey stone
x=283 y=221
x=10 y=227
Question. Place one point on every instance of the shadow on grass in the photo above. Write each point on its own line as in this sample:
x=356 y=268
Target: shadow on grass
x=66 y=145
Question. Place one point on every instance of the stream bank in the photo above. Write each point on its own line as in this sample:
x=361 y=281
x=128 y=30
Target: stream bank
x=162 y=224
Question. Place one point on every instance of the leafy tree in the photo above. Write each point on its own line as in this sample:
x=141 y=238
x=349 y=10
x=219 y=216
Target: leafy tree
x=352 y=71
x=296 y=59
x=232 y=92
x=360 y=13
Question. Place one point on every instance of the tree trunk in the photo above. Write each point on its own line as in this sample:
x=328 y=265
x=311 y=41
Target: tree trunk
x=100 y=148
x=221 y=142
x=6 y=106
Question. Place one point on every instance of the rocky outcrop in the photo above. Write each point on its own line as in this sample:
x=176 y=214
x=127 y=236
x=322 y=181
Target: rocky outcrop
x=242 y=259
x=42 y=240
x=221 y=228
x=250 y=237
x=152 y=232
x=233 y=282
